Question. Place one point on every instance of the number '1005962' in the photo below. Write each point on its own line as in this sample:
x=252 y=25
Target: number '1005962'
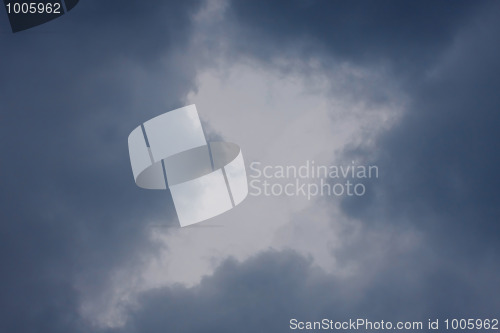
x=471 y=324
x=33 y=8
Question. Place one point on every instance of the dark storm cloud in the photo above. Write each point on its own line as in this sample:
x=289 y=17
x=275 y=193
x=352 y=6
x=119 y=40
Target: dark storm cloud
x=403 y=33
x=70 y=210
x=263 y=293
x=70 y=92
x=440 y=164
x=439 y=169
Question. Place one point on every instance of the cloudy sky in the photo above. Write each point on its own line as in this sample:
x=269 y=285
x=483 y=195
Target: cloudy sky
x=411 y=87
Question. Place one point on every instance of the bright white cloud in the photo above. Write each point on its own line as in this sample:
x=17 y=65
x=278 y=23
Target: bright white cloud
x=277 y=120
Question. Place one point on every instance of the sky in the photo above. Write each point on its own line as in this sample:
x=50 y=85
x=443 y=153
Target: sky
x=411 y=87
